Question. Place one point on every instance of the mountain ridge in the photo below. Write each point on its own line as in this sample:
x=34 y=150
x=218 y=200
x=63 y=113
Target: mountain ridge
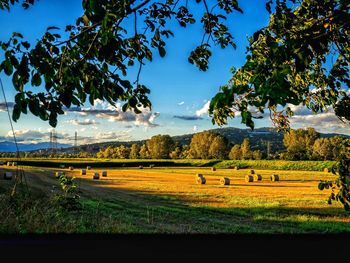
x=259 y=139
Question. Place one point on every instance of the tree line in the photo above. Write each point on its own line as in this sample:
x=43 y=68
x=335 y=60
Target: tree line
x=300 y=144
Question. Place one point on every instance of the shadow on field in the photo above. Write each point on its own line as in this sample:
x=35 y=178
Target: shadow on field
x=149 y=211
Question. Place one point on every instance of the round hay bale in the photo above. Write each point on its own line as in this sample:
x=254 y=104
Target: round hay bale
x=236 y=168
x=14 y=163
x=140 y=167
x=326 y=170
x=88 y=167
x=201 y=180
x=199 y=175
x=249 y=178
x=71 y=168
x=58 y=174
x=104 y=173
x=8 y=175
x=9 y=163
x=225 y=181
x=257 y=177
x=96 y=176
x=83 y=172
x=151 y=165
x=275 y=177
x=213 y=169
x=252 y=172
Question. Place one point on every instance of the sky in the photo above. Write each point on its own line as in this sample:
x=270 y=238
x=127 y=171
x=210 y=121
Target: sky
x=180 y=93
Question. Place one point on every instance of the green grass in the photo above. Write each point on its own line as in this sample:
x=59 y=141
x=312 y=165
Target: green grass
x=36 y=215
x=254 y=164
x=278 y=164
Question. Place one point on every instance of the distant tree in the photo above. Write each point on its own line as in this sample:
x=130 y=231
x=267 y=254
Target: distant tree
x=160 y=146
x=218 y=148
x=186 y=152
x=299 y=143
x=122 y=152
x=176 y=153
x=257 y=155
x=134 y=151
x=322 y=149
x=144 y=153
x=200 y=144
x=235 y=153
x=245 y=149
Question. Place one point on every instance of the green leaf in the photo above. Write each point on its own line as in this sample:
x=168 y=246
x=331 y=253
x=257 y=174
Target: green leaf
x=34 y=106
x=36 y=80
x=162 y=51
x=8 y=68
x=16 y=113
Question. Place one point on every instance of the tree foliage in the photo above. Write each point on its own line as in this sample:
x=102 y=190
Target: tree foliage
x=300 y=57
x=207 y=145
x=299 y=143
x=160 y=146
x=94 y=61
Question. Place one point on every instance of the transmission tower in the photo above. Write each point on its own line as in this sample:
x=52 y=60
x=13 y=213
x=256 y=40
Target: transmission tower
x=268 y=148
x=76 y=143
x=50 y=145
x=53 y=141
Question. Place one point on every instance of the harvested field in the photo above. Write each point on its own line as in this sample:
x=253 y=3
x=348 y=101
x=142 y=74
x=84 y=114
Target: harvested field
x=168 y=200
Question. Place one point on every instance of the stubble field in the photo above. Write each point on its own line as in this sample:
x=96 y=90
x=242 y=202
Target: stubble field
x=168 y=200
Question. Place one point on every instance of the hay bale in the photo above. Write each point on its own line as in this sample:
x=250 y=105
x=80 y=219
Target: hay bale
x=83 y=172
x=96 y=176
x=201 y=180
x=326 y=170
x=8 y=175
x=9 y=163
x=104 y=173
x=140 y=167
x=252 y=172
x=249 y=178
x=257 y=177
x=225 y=181
x=199 y=175
x=14 y=163
x=58 y=174
x=236 y=168
x=71 y=168
x=151 y=165
x=213 y=169
x=88 y=167
x=275 y=177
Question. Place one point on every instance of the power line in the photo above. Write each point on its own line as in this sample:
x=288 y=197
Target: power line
x=20 y=171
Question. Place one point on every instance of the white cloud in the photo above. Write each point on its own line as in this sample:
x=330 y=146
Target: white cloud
x=204 y=110
x=3 y=106
x=322 y=122
x=181 y=103
x=112 y=113
x=33 y=136
x=84 y=122
x=195 y=128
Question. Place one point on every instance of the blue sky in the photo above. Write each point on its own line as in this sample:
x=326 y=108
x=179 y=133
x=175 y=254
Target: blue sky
x=179 y=91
